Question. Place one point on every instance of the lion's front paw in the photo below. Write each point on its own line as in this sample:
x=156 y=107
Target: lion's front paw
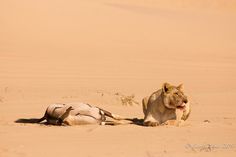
x=149 y=123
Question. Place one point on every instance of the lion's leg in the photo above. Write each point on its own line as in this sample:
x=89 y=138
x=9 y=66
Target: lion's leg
x=144 y=103
x=174 y=119
x=150 y=121
x=178 y=114
x=186 y=112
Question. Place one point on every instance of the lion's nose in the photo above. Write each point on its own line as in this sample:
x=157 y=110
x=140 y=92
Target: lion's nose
x=185 y=101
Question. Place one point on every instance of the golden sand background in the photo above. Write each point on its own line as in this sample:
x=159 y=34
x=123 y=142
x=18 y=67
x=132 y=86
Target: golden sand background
x=87 y=50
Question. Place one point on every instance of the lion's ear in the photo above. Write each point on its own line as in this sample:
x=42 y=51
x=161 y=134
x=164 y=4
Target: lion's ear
x=166 y=87
x=180 y=87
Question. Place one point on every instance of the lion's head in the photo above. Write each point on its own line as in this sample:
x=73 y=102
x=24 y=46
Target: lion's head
x=173 y=97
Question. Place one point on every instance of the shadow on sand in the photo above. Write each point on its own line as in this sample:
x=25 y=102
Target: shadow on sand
x=134 y=121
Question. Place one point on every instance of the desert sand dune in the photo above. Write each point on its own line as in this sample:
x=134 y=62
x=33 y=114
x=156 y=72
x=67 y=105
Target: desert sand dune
x=87 y=51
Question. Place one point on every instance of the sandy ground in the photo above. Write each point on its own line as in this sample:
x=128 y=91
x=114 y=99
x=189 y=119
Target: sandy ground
x=87 y=51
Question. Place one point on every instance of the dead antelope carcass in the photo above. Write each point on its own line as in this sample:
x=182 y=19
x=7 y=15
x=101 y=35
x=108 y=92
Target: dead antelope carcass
x=78 y=114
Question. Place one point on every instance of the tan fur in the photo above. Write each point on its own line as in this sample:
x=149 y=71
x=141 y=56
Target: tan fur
x=168 y=105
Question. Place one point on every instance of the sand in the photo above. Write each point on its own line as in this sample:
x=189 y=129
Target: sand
x=88 y=51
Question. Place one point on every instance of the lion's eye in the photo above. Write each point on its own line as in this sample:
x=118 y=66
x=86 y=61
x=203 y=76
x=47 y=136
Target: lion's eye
x=176 y=93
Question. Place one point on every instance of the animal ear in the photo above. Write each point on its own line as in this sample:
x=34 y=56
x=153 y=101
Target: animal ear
x=180 y=87
x=166 y=87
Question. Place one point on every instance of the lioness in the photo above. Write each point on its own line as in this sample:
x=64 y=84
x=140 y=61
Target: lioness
x=168 y=105
x=77 y=114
